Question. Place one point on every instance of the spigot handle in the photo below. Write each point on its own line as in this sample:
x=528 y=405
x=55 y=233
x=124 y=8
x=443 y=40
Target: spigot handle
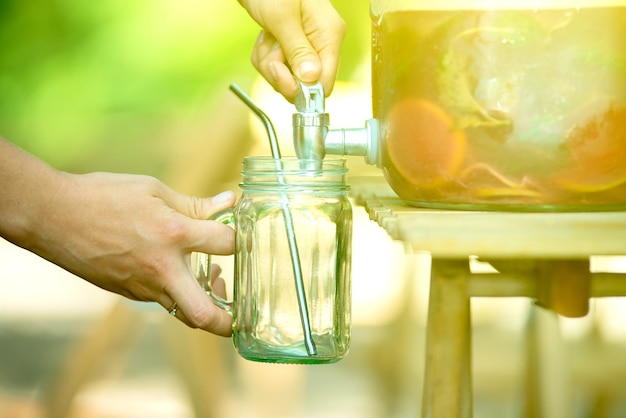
x=310 y=98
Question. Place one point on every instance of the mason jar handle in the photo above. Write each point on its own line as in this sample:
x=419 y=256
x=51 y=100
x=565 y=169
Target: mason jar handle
x=202 y=264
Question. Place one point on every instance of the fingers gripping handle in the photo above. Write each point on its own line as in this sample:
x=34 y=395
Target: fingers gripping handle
x=202 y=265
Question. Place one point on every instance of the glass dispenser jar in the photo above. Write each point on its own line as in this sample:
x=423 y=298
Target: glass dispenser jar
x=502 y=105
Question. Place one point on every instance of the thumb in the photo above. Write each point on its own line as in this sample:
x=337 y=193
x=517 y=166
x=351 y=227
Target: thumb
x=200 y=208
x=303 y=59
x=202 y=234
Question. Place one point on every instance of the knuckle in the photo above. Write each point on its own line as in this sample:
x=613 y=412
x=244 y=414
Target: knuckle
x=155 y=267
x=300 y=53
x=151 y=184
x=172 y=230
x=198 y=207
x=202 y=318
x=134 y=288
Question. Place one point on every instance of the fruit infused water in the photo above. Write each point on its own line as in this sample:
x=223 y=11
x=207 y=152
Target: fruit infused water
x=503 y=109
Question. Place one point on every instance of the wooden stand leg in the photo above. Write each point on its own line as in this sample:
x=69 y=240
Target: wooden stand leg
x=547 y=390
x=447 y=379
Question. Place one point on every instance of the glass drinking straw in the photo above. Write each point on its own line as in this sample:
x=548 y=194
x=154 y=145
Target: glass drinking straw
x=291 y=234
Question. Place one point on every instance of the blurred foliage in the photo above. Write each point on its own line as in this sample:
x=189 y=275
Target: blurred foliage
x=75 y=75
x=85 y=84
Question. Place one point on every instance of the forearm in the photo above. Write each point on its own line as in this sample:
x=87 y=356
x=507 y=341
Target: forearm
x=27 y=186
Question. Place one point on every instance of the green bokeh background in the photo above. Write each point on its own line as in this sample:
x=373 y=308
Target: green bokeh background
x=98 y=85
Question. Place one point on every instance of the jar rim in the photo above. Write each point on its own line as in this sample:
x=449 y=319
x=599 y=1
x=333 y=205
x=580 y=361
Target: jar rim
x=291 y=158
x=293 y=174
x=294 y=164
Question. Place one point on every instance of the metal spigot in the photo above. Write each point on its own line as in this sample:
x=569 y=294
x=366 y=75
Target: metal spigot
x=313 y=139
x=310 y=124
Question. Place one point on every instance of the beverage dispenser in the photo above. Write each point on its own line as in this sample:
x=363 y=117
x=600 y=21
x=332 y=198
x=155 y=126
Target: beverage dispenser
x=490 y=104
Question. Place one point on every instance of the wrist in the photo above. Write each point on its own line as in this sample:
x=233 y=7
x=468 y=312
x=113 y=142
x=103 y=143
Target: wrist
x=29 y=190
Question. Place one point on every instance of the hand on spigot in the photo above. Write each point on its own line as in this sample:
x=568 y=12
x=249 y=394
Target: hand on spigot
x=300 y=41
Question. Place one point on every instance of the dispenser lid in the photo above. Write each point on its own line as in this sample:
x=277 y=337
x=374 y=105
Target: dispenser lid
x=379 y=7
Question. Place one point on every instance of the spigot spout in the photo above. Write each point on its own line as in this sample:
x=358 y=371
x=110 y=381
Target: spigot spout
x=355 y=141
x=310 y=124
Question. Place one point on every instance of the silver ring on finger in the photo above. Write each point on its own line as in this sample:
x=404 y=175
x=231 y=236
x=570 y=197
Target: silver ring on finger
x=173 y=309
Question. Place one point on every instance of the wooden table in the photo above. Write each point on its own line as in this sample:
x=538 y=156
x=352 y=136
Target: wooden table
x=543 y=256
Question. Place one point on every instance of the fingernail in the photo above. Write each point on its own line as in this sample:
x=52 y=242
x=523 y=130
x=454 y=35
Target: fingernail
x=222 y=197
x=306 y=71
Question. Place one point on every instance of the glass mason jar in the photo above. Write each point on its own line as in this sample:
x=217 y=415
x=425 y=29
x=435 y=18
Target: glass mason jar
x=293 y=241
x=503 y=105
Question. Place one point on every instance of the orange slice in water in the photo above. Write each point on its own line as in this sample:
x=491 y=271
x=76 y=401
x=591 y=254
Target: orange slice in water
x=598 y=144
x=583 y=180
x=422 y=144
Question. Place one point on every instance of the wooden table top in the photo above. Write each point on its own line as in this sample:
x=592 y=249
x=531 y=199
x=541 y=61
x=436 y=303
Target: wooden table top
x=454 y=234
